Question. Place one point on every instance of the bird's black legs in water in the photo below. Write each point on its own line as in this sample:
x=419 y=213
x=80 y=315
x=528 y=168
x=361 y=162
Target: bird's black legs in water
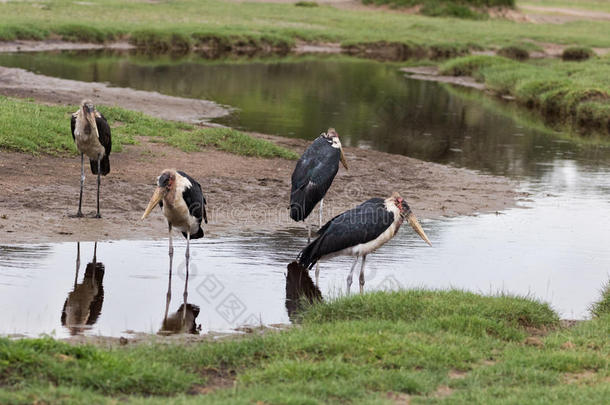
x=168 y=297
x=362 y=275
x=318 y=264
x=351 y=272
x=95 y=252
x=99 y=169
x=82 y=183
x=186 y=281
x=77 y=263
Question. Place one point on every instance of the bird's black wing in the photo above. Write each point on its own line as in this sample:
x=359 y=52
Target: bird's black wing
x=73 y=126
x=312 y=177
x=358 y=225
x=103 y=130
x=105 y=138
x=195 y=200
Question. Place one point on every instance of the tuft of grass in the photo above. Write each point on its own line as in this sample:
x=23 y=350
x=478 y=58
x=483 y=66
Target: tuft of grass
x=373 y=348
x=577 y=53
x=306 y=4
x=35 y=128
x=514 y=52
x=602 y=307
x=468 y=9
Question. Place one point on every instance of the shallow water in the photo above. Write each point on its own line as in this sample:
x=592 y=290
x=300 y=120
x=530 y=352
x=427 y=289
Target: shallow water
x=553 y=248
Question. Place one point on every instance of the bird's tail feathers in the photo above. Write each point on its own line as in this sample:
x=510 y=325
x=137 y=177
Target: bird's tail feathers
x=311 y=254
x=104 y=165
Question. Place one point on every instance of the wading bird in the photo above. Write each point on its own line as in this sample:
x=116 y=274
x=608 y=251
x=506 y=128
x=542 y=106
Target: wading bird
x=361 y=231
x=183 y=204
x=313 y=175
x=91 y=133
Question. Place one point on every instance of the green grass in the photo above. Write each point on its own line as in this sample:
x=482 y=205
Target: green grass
x=577 y=53
x=593 y=5
x=572 y=93
x=472 y=9
x=27 y=126
x=601 y=307
x=372 y=348
x=187 y=23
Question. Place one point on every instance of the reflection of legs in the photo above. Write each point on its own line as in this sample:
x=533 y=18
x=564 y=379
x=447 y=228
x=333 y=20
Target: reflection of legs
x=351 y=272
x=82 y=183
x=95 y=252
x=186 y=281
x=77 y=263
x=98 y=186
x=362 y=274
x=168 y=297
x=321 y=206
x=318 y=264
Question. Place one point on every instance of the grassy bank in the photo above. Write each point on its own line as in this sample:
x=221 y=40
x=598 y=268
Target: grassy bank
x=27 y=126
x=184 y=24
x=428 y=347
x=573 y=93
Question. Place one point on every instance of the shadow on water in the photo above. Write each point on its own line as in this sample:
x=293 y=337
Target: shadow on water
x=300 y=290
x=84 y=303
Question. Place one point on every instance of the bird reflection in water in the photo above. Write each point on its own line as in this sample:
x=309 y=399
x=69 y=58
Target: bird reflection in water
x=300 y=290
x=84 y=303
x=184 y=319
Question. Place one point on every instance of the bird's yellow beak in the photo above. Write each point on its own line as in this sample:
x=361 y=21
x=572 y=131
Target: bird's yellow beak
x=412 y=219
x=343 y=161
x=154 y=200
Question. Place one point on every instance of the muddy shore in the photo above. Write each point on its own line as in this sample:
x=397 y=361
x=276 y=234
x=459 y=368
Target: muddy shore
x=243 y=192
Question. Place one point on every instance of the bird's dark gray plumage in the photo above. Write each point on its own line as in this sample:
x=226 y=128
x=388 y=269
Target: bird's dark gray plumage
x=361 y=224
x=312 y=177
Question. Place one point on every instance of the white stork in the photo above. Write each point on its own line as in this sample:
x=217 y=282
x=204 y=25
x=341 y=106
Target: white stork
x=183 y=204
x=361 y=231
x=313 y=175
x=91 y=132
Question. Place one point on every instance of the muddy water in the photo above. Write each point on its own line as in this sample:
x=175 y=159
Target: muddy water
x=553 y=248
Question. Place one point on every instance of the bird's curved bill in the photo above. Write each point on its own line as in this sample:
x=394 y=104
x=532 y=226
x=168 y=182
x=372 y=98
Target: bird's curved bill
x=412 y=219
x=154 y=200
x=343 y=161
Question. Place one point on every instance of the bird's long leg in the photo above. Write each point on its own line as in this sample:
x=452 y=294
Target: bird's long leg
x=186 y=281
x=351 y=272
x=82 y=183
x=168 y=297
x=321 y=207
x=99 y=164
x=95 y=252
x=308 y=233
x=362 y=274
x=77 y=263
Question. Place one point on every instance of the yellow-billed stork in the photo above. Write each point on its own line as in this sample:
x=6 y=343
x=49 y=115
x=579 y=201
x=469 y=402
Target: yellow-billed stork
x=91 y=133
x=361 y=231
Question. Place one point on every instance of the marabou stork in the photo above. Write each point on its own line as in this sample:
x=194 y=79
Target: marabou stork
x=312 y=177
x=361 y=231
x=183 y=204
x=314 y=173
x=91 y=132
x=83 y=306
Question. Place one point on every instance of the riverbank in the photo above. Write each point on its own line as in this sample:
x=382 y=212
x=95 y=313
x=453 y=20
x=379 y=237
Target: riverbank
x=411 y=346
x=220 y=25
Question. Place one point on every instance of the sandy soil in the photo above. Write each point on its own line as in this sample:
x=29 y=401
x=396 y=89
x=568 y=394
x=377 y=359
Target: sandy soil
x=242 y=193
x=21 y=83
x=430 y=73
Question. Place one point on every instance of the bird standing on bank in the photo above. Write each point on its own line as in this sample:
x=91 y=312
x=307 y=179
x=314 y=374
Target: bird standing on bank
x=91 y=133
x=183 y=204
x=313 y=175
x=361 y=231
